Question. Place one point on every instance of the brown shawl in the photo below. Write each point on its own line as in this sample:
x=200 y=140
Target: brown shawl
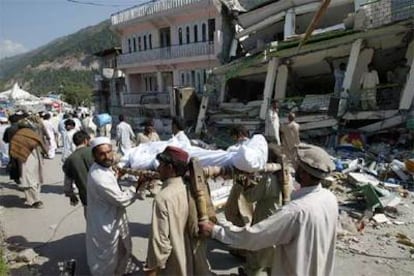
x=23 y=143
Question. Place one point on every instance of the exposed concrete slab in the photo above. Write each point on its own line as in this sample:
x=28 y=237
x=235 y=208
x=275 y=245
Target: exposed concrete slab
x=318 y=124
x=387 y=123
x=312 y=118
x=370 y=115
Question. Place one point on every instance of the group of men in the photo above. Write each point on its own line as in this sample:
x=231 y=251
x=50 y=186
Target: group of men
x=126 y=138
x=91 y=167
x=108 y=241
x=298 y=238
x=285 y=135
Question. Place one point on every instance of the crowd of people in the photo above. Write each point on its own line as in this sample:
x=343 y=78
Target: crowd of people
x=275 y=237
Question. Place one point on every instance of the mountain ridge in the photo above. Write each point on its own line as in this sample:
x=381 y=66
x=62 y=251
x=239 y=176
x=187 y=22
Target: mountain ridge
x=64 y=60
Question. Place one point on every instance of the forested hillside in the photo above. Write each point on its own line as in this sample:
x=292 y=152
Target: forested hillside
x=65 y=65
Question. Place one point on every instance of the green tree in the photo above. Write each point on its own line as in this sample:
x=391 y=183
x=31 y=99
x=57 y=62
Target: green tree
x=77 y=94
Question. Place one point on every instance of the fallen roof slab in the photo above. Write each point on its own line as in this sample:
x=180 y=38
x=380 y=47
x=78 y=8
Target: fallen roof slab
x=384 y=124
x=370 y=115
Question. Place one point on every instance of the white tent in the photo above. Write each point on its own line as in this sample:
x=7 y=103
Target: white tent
x=17 y=94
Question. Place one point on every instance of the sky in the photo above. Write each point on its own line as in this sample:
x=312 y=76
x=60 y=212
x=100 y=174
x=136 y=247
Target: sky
x=28 y=24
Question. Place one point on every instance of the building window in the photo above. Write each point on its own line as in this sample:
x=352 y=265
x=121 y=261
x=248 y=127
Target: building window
x=134 y=42
x=129 y=45
x=182 y=79
x=146 y=84
x=195 y=33
x=150 y=41
x=204 y=32
x=187 y=34
x=180 y=36
x=211 y=29
x=139 y=44
x=145 y=42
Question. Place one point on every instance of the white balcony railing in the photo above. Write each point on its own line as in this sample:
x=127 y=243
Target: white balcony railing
x=179 y=51
x=149 y=9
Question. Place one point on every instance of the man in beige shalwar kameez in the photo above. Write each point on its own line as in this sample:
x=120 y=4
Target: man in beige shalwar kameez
x=149 y=134
x=26 y=147
x=108 y=242
x=290 y=138
x=171 y=245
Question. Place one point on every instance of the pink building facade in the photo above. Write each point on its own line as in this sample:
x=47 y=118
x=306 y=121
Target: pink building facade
x=166 y=44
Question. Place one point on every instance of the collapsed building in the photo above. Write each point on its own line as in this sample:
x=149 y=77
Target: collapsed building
x=268 y=63
x=238 y=55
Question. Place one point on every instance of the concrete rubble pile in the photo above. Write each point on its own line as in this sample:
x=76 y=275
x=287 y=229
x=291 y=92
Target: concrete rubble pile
x=375 y=190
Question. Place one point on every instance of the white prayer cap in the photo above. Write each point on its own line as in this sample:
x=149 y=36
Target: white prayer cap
x=3 y=120
x=100 y=141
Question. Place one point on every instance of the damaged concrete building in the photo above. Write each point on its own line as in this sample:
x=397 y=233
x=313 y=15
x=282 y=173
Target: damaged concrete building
x=268 y=63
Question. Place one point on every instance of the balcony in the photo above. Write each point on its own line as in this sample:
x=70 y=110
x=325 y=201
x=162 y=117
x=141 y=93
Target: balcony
x=149 y=9
x=150 y=100
x=382 y=12
x=167 y=53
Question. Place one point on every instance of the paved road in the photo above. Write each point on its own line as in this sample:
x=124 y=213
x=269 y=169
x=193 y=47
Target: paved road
x=57 y=231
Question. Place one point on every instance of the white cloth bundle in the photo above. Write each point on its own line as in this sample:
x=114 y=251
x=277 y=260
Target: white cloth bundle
x=251 y=156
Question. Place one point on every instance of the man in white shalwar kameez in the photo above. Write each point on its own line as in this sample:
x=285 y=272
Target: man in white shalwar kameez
x=52 y=133
x=124 y=135
x=108 y=242
x=272 y=123
x=68 y=145
x=303 y=231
